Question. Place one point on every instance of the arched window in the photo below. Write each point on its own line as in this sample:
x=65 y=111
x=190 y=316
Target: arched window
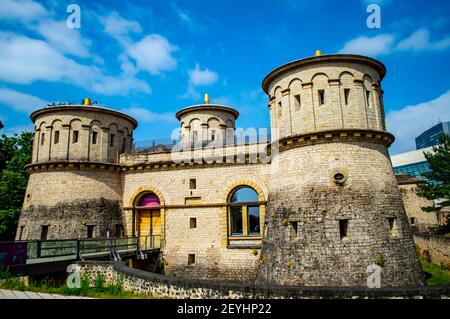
x=244 y=212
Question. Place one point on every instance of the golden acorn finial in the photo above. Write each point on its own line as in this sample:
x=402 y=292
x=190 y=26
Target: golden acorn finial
x=87 y=101
x=206 y=98
x=318 y=53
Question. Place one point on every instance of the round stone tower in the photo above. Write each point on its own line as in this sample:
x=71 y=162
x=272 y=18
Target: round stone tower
x=334 y=207
x=74 y=188
x=205 y=123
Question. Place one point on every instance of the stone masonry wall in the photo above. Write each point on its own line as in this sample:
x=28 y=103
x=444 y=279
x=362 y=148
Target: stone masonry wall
x=209 y=241
x=68 y=201
x=303 y=192
x=178 y=288
x=423 y=221
x=434 y=248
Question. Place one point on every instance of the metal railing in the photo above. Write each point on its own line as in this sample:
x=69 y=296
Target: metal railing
x=78 y=249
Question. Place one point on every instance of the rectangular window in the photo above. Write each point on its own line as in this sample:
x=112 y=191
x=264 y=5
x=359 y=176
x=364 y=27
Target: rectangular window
x=90 y=231
x=192 y=183
x=412 y=221
x=346 y=95
x=368 y=97
x=253 y=220
x=321 y=95
x=297 y=102
x=293 y=230
x=193 y=223
x=191 y=259
x=44 y=232
x=56 y=141
x=236 y=221
x=94 y=137
x=343 y=228
x=75 y=136
x=42 y=138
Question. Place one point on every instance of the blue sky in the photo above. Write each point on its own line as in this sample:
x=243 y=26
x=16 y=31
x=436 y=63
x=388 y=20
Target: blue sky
x=152 y=58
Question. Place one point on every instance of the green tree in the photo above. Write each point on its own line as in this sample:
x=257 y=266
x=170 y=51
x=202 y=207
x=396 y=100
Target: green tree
x=15 y=154
x=439 y=162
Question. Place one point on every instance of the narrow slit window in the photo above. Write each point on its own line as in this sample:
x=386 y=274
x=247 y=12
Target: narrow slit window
x=193 y=223
x=56 y=141
x=213 y=135
x=412 y=221
x=321 y=94
x=75 y=136
x=90 y=231
x=368 y=97
x=346 y=95
x=42 y=138
x=21 y=232
x=392 y=226
x=191 y=259
x=119 y=230
x=94 y=137
x=44 y=232
x=297 y=102
x=124 y=145
x=343 y=228
x=111 y=140
x=192 y=183
x=294 y=230
x=280 y=109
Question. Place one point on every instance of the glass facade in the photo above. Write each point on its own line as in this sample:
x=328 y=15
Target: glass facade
x=414 y=169
x=431 y=136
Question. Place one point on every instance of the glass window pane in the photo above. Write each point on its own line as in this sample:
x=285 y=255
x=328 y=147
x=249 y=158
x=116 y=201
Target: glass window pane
x=244 y=194
x=253 y=220
x=236 y=220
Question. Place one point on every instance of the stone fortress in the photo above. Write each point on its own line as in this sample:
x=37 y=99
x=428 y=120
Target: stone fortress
x=315 y=206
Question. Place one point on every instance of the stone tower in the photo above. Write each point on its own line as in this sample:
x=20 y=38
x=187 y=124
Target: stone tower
x=206 y=123
x=74 y=189
x=334 y=206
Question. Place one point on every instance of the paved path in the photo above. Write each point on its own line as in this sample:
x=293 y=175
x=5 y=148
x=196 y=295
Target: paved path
x=16 y=294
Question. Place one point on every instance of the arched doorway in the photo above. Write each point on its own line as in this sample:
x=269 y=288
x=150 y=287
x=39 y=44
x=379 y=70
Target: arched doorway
x=149 y=219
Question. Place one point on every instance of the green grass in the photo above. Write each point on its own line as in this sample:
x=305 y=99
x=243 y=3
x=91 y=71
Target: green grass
x=435 y=274
x=100 y=289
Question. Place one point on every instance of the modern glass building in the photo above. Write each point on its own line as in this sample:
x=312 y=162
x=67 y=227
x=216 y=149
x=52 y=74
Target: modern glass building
x=411 y=163
x=431 y=136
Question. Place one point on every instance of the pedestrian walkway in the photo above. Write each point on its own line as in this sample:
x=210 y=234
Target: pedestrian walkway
x=16 y=294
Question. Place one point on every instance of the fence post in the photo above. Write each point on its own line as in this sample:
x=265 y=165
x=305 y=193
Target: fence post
x=78 y=249
x=38 y=249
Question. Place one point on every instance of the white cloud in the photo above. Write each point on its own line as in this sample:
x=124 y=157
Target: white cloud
x=384 y=44
x=23 y=10
x=120 y=28
x=64 y=39
x=145 y=115
x=420 y=40
x=21 y=102
x=24 y=60
x=187 y=18
x=407 y=123
x=153 y=54
x=377 y=45
x=199 y=77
